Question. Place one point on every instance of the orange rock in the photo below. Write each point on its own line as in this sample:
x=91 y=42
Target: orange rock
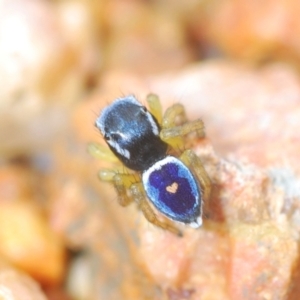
x=143 y=38
x=17 y=285
x=27 y=240
x=39 y=73
x=28 y=243
x=255 y=31
x=15 y=183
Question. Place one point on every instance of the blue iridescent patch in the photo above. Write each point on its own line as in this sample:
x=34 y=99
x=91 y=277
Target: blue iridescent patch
x=173 y=190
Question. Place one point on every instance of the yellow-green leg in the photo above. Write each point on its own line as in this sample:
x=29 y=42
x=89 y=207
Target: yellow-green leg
x=139 y=197
x=174 y=135
x=191 y=160
x=122 y=182
x=102 y=152
x=155 y=107
x=173 y=116
x=174 y=122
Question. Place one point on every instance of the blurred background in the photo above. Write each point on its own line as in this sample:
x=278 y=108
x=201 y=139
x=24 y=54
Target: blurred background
x=62 y=236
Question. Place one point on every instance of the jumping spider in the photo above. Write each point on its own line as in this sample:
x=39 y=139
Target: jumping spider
x=142 y=139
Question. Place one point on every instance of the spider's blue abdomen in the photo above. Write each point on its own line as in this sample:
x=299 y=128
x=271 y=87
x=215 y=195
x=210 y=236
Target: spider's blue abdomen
x=173 y=190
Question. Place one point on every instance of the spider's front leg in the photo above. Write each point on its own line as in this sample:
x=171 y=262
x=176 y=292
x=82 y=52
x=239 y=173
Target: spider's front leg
x=139 y=197
x=174 y=135
x=174 y=122
x=102 y=152
x=122 y=182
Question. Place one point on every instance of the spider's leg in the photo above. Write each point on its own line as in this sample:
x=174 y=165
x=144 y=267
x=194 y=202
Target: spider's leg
x=139 y=196
x=174 y=135
x=175 y=126
x=155 y=107
x=121 y=182
x=173 y=116
x=102 y=152
x=191 y=160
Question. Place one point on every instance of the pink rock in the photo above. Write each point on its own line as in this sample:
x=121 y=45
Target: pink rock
x=247 y=246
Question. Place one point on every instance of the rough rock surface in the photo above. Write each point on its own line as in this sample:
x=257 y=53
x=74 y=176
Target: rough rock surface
x=247 y=247
x=27 y=240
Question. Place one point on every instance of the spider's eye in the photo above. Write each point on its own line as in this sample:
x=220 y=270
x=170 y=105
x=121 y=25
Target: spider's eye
x=115 y=136
x=144 y=109
x=112 y=136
